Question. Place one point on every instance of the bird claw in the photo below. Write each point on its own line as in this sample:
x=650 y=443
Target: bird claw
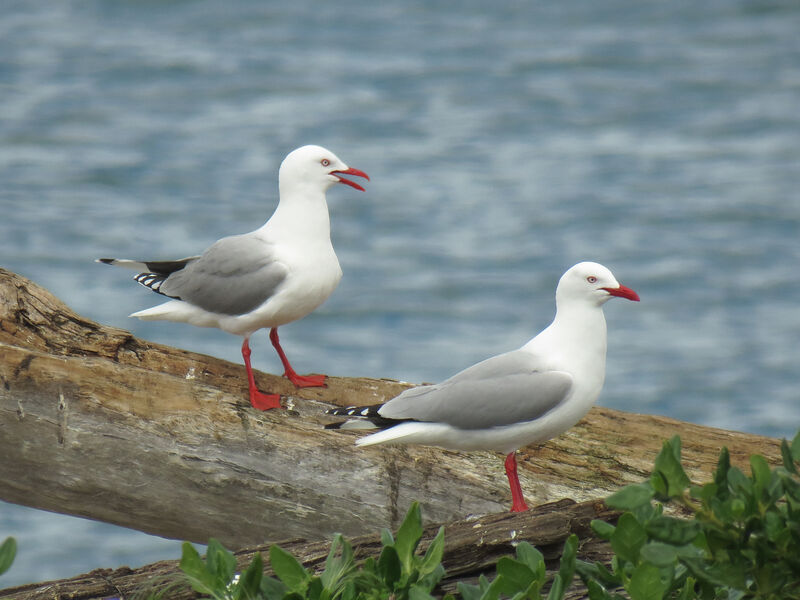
x=262 y=401
x=304 y=381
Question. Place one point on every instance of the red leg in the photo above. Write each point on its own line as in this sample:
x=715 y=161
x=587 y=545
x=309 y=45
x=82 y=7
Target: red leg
x=517 y=501
x=301 y=381
x=258 y=399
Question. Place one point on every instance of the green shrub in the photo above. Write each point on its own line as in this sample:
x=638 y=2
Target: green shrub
x=742 y=539
x=399 y=572
x=524 y=577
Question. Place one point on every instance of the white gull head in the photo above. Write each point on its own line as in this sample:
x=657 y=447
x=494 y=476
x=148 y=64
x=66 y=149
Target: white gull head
x=314 y=167
x=590 y=283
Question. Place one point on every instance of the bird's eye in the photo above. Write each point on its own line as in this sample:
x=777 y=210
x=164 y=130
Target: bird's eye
x=325 y=162
x=591 y=279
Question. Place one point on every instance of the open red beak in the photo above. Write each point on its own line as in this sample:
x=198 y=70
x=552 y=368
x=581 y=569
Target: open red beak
x=351 y=171
x=623 y=292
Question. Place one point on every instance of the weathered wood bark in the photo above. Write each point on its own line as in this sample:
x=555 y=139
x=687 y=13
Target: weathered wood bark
x=472 y=547
x=100 y=424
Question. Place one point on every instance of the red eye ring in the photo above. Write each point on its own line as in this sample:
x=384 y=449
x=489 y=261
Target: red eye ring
x=591 y=279
x=325 y=162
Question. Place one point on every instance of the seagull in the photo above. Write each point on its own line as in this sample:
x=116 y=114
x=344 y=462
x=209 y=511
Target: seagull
x=274 y=275
x=526 y=396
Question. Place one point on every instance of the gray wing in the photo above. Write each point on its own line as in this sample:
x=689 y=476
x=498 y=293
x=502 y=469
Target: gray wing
x=503 y=390
x=234 y=276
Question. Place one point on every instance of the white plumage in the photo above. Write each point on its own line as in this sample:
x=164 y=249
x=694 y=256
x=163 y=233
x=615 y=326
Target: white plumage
x=523 y=397
x=274 y=275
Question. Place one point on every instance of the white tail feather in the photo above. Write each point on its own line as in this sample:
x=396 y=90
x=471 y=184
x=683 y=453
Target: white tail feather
x=124 y=262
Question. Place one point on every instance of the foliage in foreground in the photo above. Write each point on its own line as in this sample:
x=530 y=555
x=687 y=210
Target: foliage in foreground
x=399 y=573
x=742 y=541
x=8 y=550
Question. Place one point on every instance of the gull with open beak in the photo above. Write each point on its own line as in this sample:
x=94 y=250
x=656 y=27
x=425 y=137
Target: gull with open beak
x=274 y=275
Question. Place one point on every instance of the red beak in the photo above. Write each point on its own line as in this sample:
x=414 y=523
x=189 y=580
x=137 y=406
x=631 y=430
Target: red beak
x=623 y=292
x=355 y=172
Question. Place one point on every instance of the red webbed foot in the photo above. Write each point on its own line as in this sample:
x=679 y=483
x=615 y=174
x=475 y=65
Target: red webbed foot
x=304 y=381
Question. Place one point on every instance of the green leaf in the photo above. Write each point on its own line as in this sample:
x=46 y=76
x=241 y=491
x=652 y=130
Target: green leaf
x=717 y=573
x=761 y=472
x=790 y=485
x=602 y=529
x=659 y=484
x=659 y=554
x=530 y=556
x=8 y=550
x=417 y=592
x=556 y=589
x=796 y=447
x=628 y=538
x=677 y=532
x=788 y=459
x=338 y=563
x=721 y=472
x=468 y=591
x=314 y=588
x=200 y=578
x=516 y=576
x=739 y=482
x=433 y=555
x=596 y=571
x=386 y=538
x=646 y=583
x=432 y=579
x=220 y=561
x=389 y=567
x=408 y=536
x=273 y=589
x=250 y=582
x=738 y=508
x=774 y=526
x=704 y=492
x=687 y=593
x=631 y=496
x=349 y=591
x=597 y=591
x=668 y=476
x=566 y=569
x=288 y=569
x=691 y=551
x=487 y=591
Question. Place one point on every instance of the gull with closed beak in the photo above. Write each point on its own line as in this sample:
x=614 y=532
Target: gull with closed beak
x=523 y=397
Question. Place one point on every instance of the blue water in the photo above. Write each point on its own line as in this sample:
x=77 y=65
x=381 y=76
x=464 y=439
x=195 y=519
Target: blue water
x=505 y=142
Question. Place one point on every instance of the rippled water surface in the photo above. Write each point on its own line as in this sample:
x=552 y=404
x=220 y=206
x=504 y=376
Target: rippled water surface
x=505 y=143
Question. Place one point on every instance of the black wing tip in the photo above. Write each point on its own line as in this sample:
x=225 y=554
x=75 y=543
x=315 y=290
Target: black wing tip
x=338 y=411
x=106 y=261
x=153 y=281
x=365 y=412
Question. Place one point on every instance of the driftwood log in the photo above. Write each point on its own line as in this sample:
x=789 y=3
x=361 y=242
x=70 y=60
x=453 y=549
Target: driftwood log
x=97 y=423
x=100 y=424
x=472 y=547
